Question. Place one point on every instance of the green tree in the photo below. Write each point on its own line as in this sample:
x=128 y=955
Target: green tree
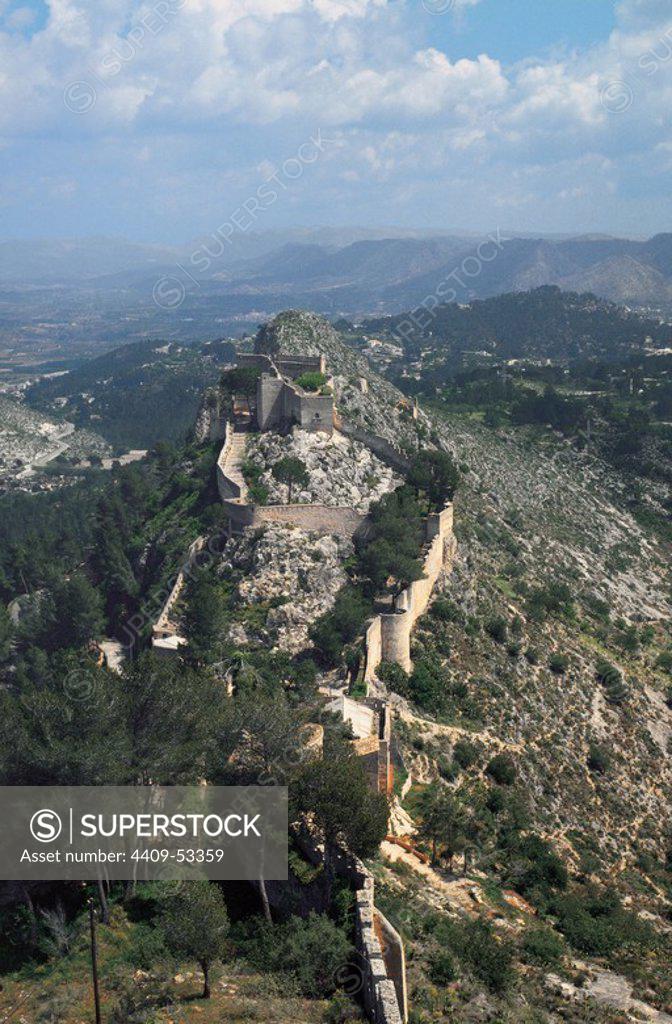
x=196 y=924
x=6 y=634
x=206 y=617
x=79 y=612
x=434 y=474
x=312 y=380
x=335 y=791
x=388 y=568
x=242 y=380
x=443 y=822
x=69 y=731
x=292 y=472
x=171 y=715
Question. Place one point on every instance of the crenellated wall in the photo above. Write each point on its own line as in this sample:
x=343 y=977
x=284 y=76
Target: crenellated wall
x=388 y=637
x=380 y=951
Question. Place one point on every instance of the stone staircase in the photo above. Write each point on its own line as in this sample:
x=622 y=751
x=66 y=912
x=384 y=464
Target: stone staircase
x=234 y=459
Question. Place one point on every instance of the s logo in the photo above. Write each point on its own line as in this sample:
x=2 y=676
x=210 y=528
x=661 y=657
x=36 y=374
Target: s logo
x=46 y=826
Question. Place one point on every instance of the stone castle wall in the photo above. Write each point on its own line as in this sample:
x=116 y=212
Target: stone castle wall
x=381 y=960
x=228 y=488
x=324 y=519
x=379 y=446
x=165 y=632
x=388 y=637
x=382 y=963
x=279 y=398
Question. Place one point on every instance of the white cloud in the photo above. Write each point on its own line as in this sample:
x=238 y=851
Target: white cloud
x=276 y=69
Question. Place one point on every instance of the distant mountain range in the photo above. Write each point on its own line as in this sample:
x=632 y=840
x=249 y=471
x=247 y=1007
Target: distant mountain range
x=393 y=274
x=102 y=292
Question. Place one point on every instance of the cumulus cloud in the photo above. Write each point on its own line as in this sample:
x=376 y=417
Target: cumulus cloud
x=278 y=69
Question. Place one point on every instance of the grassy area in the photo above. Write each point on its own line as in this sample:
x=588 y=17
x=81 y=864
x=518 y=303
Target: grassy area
x=60 y=992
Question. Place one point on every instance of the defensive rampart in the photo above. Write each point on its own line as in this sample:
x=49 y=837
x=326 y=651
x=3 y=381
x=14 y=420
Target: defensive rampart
x=379 y=446
x=323 y=519
x=165 y=632
x=388 y=637
x=381 y=960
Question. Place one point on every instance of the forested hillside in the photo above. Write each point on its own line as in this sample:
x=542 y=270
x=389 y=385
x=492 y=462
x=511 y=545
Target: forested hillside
x=135 y=395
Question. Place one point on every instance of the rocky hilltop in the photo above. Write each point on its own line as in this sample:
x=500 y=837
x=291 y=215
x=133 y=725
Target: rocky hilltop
x=363 y=398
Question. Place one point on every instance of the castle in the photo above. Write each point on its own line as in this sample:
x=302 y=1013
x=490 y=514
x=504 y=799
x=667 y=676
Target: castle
x=281 y=401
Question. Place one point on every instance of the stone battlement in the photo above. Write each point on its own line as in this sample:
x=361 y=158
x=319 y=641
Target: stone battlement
x=388 y=636
x=381 y=961
x=322 y=519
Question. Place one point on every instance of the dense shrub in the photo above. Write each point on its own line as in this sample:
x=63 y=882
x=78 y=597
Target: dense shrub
x=533 y=868
x=442 y=968
x=502 y=769
x=532 y=656
x=490 y=958
x=395 y=677
x=594 y=922
x=341 y=626
x=558 y=664
x=312 y=380
x=465 y=753
x=446 y=610
x=542 y=947
x=553 y=599
x=311 y=950
x=664 y=661
x=497 y=628
x=615 y=690
x=480 y=950
x=599 y=759
x=146 y=947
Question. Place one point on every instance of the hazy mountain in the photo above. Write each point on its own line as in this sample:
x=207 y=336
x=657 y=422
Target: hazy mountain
x=621 y=270
x=72 y=260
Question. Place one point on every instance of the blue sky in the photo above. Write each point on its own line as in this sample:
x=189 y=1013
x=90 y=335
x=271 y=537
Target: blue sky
x=161 y=120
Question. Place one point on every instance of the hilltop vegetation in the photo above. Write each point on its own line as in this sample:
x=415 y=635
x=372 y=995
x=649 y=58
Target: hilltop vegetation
x=135 y=395
x=542 y=324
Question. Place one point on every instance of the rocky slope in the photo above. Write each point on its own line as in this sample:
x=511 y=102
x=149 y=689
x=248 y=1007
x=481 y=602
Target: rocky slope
x=287 y=579
x=555 y=573
x=341 y=471
x=533 y=513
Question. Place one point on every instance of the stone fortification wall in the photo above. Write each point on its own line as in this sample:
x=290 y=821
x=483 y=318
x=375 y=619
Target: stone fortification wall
x=228 y=487
x=381 y=960
x=310 y=411
x=280 y=400
x=378 y=445
x=271 y=401
x=294 y=366
x=323 y=519
x=164 y=629
x=388 y=637
x=256 y=359
x=382 y=964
